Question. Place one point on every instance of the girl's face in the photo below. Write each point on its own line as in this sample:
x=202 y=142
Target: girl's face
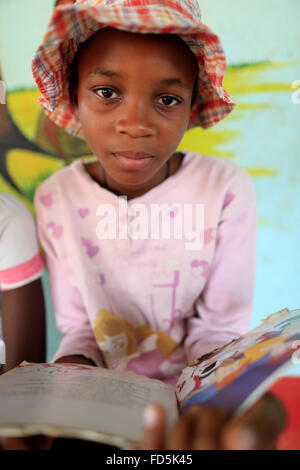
x=134 y=97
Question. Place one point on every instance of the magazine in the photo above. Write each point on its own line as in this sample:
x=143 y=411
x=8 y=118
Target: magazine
x=97 y=404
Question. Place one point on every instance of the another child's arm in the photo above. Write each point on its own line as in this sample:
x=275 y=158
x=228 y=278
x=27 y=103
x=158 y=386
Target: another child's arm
x=21 y=266
x=23 y=322
x=224 y=309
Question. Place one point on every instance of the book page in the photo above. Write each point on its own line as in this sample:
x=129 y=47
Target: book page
x=106 y=404
x=235 y=376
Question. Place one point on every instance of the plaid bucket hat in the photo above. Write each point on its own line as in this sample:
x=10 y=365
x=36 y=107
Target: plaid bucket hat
x=72 y=24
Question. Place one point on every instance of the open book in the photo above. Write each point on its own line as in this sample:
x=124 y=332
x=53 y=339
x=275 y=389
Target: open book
x=107 y=406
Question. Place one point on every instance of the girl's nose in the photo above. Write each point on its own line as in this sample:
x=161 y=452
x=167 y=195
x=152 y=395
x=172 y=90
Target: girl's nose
x=134 y=121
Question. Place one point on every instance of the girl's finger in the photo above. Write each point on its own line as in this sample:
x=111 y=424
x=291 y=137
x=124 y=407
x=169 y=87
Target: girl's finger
x=258 y=428
x=207 y=429
x=181 y=436
x=154 y=428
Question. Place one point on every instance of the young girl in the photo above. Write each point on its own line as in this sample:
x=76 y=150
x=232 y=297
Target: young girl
x=130 y=77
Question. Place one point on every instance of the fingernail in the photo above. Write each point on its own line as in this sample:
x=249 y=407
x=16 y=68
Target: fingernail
x=150 y=416
x=246 y=439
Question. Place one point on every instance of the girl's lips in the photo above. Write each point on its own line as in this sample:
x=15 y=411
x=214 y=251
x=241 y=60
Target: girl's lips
x=138 y=163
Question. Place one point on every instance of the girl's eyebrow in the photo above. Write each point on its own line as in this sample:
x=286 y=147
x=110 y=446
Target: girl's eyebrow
x=105 y=72
x=112 y=74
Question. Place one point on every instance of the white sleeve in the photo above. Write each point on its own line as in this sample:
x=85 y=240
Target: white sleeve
x=20 y=259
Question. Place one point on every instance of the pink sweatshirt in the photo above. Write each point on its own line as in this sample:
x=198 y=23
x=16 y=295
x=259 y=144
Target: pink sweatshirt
x=150 y=305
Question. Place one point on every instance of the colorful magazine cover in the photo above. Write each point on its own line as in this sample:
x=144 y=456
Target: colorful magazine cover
x=236 y=375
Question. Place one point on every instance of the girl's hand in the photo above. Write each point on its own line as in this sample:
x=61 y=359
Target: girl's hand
x=204 y=428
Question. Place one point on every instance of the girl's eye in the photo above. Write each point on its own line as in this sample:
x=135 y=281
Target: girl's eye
x=167 y=100
x=107 y=92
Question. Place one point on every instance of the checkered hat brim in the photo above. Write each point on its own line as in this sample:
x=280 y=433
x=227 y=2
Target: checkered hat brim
x=73 y=24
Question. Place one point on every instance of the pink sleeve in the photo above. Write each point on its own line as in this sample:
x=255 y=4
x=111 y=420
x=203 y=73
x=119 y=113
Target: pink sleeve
x=70 y=314
x=225 y=306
